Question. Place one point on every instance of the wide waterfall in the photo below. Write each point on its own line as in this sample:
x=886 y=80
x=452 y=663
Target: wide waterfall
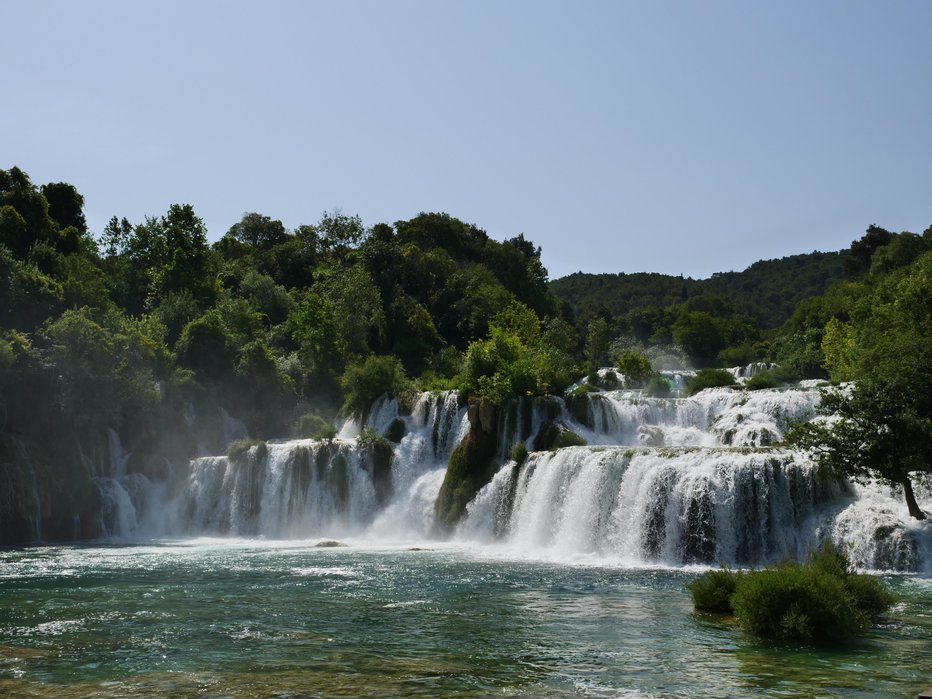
x=677 y=481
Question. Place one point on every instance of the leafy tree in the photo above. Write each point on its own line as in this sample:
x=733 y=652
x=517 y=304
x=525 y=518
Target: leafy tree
x=636 y=368
x=879 y=429
x=364 y=381
x=258 y=231
x=340 y=233
x=862 y=251
x=66 y=205
x=597 y=342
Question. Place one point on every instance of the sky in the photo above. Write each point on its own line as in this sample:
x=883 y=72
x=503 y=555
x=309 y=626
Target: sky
x=676 y=137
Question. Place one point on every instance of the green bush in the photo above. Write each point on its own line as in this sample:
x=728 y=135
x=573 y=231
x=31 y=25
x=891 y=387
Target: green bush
x=586 y=388
x=658 y=387
x=365 y=381
x=712 y=592
x=313 y=426
x=708 y=378
x=636 y=368
x=764 y=379
x=519 y=453
x=797 y=602
x=821 y=599
x=610 y=380
x=237 y=449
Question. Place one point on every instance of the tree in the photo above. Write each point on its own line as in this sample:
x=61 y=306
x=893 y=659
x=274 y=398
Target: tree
x=66 y=205
x=636 y=369
x=258 y=231
x=884 y=421
x=879 y=429
x=340 y=233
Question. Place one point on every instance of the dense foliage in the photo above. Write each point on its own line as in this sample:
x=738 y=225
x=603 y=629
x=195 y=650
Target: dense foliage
x=821 y=599
x=180 y=346
x=152 y=332
x=879 y=337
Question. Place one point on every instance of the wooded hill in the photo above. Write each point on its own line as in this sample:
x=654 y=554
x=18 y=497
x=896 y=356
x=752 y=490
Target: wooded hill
x=768 y=291
x=148 y=330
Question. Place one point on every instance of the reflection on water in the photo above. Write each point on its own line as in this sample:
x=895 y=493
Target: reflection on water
x=238 y=619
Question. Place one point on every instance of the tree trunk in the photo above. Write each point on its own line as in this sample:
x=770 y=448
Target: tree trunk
x=911 y=503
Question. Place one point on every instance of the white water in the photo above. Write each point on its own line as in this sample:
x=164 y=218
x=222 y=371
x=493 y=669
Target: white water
x=672 y=507
x=675 y=482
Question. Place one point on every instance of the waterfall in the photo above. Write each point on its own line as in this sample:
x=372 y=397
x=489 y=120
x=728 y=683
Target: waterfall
x=332 y=488
x=675 y=481
x=714 y=417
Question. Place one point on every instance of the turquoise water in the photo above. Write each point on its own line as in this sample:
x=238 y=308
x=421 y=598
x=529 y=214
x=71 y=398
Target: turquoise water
x=221 y=618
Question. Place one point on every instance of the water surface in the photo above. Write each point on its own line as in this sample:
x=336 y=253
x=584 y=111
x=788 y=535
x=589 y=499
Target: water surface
x=225 y=618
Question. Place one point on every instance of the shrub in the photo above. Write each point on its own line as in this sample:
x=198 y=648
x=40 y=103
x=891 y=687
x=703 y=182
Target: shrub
x=583 y=390
x=658 y=387
x=821 y=599
x=237 y=449
x=636 y=369
x=313 y=426
x=797 y=602
x=764 y=379
x=712 y=592
x=519 y=453
x=365 y=381
x=610 y=380
x=708 y=378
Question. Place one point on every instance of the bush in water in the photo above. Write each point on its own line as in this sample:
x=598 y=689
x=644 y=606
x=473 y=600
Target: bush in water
x=712 y=592
x=821 y=599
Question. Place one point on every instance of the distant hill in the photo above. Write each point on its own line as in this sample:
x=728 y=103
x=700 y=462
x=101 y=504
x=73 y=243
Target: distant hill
x=768 y=290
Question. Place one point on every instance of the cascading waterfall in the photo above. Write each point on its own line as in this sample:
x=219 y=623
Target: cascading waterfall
x=663 y=481
x=714 y=417
x=332 y=488
x=660 y=506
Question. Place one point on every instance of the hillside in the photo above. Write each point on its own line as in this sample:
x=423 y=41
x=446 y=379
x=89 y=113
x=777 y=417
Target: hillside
x=767 y=291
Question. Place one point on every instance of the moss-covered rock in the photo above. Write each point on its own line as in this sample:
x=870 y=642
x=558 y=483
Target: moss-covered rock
x=554 y=434
x=471 y=465
x=377 y=451
x=396 y=430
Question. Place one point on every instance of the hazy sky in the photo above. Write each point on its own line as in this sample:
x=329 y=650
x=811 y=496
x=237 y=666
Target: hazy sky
x=678 y=137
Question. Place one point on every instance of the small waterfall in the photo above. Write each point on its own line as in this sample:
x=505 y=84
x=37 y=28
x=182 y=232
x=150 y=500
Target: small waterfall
x=117 y=511
x=743 y=373
x=306 y=488
x=118 y=458
x=444 y=418
x=233 y=428
x=37 y=520
x=714 y=417
x=521 y=419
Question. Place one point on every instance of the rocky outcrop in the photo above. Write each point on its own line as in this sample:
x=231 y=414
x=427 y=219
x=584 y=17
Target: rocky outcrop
x=471 y=465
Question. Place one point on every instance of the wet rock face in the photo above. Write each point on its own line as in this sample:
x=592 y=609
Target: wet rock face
x=471 y=464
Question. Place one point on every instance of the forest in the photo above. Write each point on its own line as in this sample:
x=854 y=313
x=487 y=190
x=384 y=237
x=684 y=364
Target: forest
x=149 y=330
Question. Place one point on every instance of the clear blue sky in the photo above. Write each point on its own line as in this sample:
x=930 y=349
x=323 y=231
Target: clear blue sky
x=678 y=137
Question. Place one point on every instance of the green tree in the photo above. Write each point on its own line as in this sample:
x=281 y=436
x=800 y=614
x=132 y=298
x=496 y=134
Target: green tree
x=258 y=231
x=879 y=429
x=636 y=368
